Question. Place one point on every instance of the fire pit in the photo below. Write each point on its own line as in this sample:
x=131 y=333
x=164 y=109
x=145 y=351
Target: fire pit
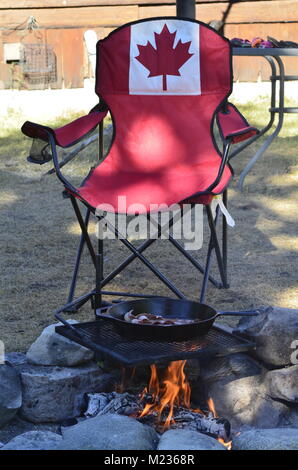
x=187 y=395
x=165 y=403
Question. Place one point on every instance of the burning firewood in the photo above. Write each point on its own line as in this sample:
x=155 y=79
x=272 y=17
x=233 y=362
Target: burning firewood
x=132 y=405
x=119 y=403
x=205 y=423
x=165 y=403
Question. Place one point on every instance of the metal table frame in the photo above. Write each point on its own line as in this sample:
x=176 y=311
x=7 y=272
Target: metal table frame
x=273 y=57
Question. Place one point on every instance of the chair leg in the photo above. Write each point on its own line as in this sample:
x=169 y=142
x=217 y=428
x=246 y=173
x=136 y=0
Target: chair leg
x=133 y=256
x=97 y=258
x=215 y=243
x=225 y=238
x=148 y=243
x=72 y=304
x=77 y=264
x=152 y=268
x=98 y=276
x=147 y=263
x=76 y=304
x=208 y=264
x=83 y=227
x=137 y=253
x=188 y=256
x=126 y=262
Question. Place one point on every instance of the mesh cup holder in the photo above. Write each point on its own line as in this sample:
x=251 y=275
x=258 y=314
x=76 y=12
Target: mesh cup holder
x=40 y=152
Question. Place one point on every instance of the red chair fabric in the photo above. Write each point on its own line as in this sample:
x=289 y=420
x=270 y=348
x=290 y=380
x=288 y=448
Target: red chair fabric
x=163 y=81
x=233 y=125
x=67 y=135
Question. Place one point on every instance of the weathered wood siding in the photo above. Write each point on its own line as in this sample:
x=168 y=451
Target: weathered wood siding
x=62 y=24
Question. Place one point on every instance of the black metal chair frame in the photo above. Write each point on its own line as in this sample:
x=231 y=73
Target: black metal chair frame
x=96 y=294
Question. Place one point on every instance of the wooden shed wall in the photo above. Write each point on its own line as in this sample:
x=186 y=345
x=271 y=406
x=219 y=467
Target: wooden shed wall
x=62 y=24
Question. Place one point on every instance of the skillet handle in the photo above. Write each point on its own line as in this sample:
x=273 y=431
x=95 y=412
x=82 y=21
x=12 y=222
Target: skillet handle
x=101 y=312
x=242 y=313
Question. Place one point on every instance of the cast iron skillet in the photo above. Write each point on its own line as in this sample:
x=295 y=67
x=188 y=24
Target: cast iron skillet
x=167 y=308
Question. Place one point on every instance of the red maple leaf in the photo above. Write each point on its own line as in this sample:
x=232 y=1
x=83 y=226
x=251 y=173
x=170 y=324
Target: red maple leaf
x=164 y=60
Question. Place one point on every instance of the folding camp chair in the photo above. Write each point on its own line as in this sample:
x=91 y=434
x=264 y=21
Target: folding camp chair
x=165 y=82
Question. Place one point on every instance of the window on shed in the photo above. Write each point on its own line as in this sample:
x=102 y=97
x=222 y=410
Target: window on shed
x=12 y=52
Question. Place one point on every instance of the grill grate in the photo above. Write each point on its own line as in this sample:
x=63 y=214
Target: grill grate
x=100 y=336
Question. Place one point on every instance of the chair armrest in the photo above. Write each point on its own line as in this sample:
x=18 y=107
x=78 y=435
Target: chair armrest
x=67 y=135
x=233 y=125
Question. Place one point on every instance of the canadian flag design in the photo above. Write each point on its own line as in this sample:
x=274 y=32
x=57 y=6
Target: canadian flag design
x=165 y=58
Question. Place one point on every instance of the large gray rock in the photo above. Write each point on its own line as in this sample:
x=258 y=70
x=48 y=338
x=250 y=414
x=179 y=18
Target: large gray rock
x=184 y=439
x=219 y=371
x=267 y=439
x=275 y=330
x=18 y=426
x=109 y=432
x=53 y=394
x=52 y=349
x=234 y=382
x=15 y=358
x=291 y=420
x=228 y=368
x=10 y=393
x=34 y=440
x=283 y=383
x=244 y=402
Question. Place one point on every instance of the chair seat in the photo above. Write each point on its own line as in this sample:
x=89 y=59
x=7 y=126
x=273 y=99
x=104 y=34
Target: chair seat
x=143 y=192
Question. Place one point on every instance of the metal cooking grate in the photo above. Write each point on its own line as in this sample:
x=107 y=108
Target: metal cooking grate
x=100 y=336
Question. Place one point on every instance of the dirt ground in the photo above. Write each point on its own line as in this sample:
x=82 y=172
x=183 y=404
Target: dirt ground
x=39 y=237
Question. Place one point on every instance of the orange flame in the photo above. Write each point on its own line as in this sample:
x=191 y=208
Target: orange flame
x=211 y=407
x=174 y=391
x=153 y=389
x=228 y=445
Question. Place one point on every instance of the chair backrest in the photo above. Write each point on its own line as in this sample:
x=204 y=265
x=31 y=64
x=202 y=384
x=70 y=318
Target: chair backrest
x=163 y=80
